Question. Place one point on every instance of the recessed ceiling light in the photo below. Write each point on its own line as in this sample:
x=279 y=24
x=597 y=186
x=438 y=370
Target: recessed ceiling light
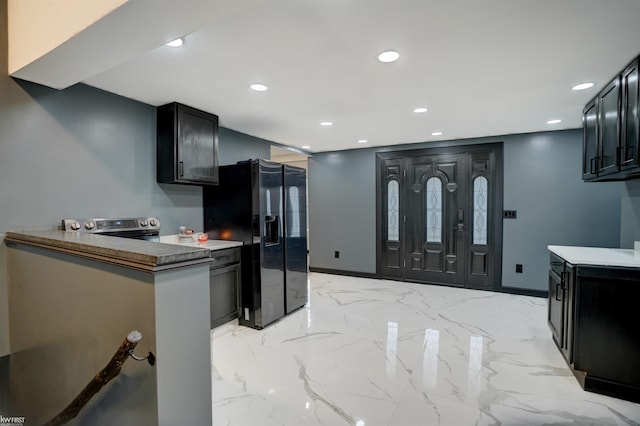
x=362 y=141
x=555 y=121
x=326 y=123
x=175 y=43
x=582 y=86
x=259 y=87
x=306 y=147
x=388 y=56
x=436 y=133
x=420 y=110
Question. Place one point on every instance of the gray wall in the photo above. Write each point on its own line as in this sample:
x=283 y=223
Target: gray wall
x=85 y=152
x=630 y=215
x=542 y=182
x=88 y=153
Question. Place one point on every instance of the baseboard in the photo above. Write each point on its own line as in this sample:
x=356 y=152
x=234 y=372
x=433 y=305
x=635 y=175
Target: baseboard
x=343 y=272
x=523 y=291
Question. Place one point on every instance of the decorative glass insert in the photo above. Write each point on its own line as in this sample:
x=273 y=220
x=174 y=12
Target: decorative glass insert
x=480 y=197
x=434 y=210
x=294 y=224
x=393 y=211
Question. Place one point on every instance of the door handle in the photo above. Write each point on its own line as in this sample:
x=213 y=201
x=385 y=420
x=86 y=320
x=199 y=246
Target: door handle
x=460 y=224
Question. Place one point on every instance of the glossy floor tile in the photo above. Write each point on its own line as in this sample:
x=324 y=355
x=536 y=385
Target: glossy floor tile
x=369 y=352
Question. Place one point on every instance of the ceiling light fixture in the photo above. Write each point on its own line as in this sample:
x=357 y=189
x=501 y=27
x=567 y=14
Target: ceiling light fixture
x=436 y=134
x=420 y=110
x=554 y=121
x=326 y=123
x=306 y=147
x=362 y=141
x=175 y=43
x=388 y=56
x=259 y=87
x=582 y=86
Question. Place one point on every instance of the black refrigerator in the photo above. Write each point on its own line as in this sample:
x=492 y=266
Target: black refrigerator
x=263 y=204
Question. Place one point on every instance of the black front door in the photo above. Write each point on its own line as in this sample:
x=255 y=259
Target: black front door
x=439 y=215
x=435 y=210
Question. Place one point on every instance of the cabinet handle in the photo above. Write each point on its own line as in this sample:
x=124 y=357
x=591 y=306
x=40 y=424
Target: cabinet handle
x=558 y=291
x=181 y=168
x=591 y=163
x=219 y=258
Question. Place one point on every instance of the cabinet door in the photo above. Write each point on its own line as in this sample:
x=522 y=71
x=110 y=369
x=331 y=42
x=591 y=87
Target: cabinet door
x=590 y=141
x=224 y=294
x=555 y=316
x=187 y=145
x=629 y=121
x=197 y=145
x=608 y=123
x=568 y=285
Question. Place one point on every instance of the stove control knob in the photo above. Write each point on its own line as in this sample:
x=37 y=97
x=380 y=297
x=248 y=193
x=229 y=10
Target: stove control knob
x=75 y=226
x=89 y=225
x=153 y=222
x=144 y=222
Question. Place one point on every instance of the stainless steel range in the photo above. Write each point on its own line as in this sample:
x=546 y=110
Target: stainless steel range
x=141 y=228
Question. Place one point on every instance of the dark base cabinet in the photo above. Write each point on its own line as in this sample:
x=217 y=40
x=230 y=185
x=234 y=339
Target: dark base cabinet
x=594 y=321
x=225 y=286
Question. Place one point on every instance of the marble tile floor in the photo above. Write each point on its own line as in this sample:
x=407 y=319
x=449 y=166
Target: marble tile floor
x=370 y=352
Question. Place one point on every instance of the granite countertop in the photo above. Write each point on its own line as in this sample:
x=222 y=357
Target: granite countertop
x=597 y=256
x=192 y=242
x=138 y=254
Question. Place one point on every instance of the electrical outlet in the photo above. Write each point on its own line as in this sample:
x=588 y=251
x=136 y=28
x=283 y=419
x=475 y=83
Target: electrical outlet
x=518 y=268
x=336 y=254
x=510 y=214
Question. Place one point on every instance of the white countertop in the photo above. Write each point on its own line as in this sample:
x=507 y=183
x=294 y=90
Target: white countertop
x=597 y=256
x=192 y=242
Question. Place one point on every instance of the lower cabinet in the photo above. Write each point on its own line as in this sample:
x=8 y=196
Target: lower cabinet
x=225 y=285
x=594 y=322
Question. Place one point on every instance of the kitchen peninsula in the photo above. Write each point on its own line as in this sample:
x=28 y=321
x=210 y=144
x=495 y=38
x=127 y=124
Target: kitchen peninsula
x=72 y=300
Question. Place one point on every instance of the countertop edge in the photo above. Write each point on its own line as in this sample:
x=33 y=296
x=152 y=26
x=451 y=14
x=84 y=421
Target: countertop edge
x=127 y=257
x=597 y=256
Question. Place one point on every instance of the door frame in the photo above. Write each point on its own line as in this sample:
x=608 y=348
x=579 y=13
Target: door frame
x=497 y=147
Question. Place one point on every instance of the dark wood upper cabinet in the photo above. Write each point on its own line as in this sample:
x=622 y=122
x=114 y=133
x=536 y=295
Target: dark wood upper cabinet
x=187 y=145
x=612 y=130
x=630 y=126
x=590 y=141
x=609 y=121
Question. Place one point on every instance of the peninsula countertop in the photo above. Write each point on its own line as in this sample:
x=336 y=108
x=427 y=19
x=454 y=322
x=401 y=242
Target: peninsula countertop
x=127 y=252
x=597 y=256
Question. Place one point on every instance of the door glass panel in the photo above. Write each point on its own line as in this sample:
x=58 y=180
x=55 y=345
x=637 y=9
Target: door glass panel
x=393 y=211
x=434 y=210
x=480 y=197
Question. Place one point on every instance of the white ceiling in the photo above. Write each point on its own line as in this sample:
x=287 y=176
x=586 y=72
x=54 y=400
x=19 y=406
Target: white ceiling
x=481 y=67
